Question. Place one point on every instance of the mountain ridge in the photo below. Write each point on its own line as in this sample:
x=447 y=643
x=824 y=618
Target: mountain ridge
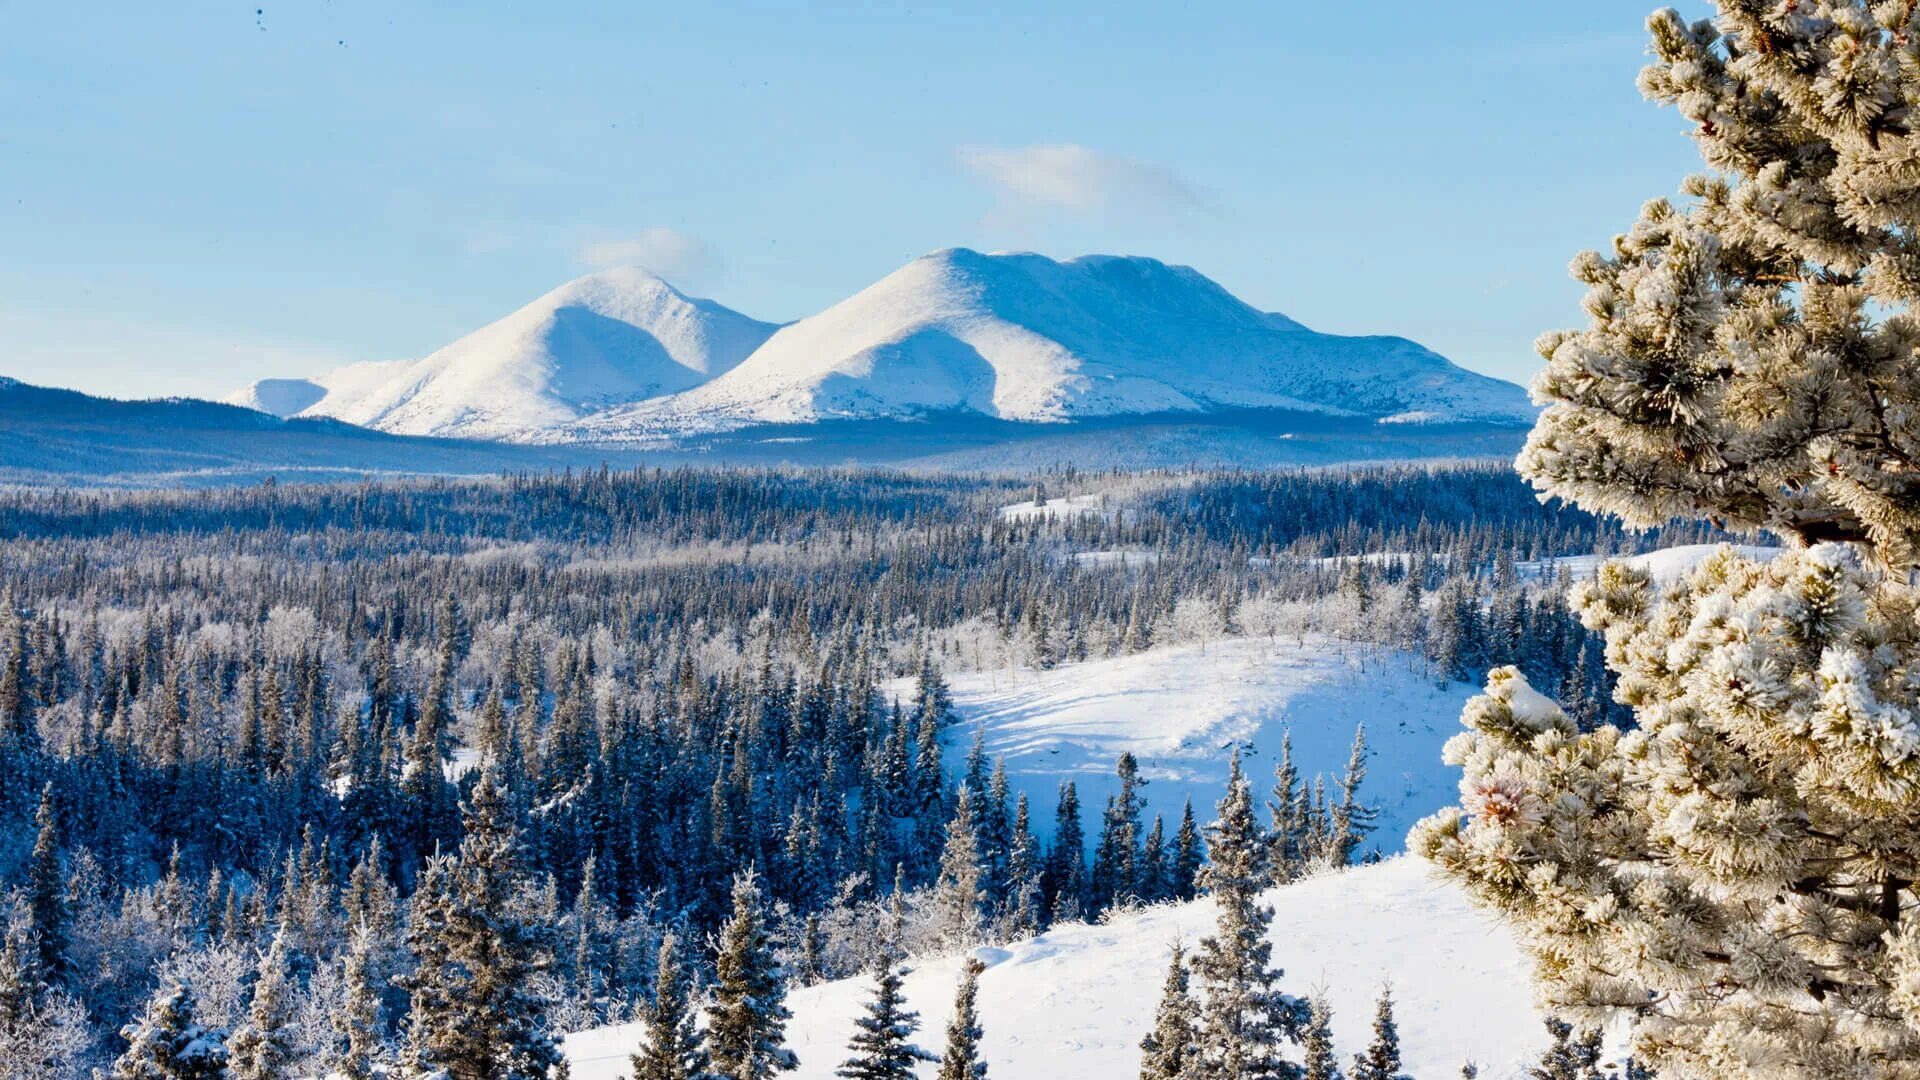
x=623 y=357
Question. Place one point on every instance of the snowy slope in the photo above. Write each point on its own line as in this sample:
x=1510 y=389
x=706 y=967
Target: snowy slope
x=1073 y=1003
x=1182 y=711
x=290 y=397
x=606 y=339
x=1026 y=338
x=1667 y=565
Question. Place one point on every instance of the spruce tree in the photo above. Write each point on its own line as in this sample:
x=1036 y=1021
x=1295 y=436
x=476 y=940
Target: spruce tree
x=1187 y=856
x=961 y=1060
x=47 y=893
x=959 y=895
x=882 y=1043
x=360 y=1026
x=263 y=1048
x=1382 y=1058
x=747 y=1018
x=673 y=1047
x=1351 y=819
x=1569 y=1056
x=1316 y=1041
x=166 y=1043
x=1245 y=1019
x=475 y=1010
x=1166 y=1051
x=1748 y=360
x=1066 y=861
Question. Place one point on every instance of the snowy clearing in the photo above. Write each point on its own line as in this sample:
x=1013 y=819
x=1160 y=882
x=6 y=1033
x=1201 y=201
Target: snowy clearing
x=1073 y=1002
x=1075 y=506
x=1182 y=710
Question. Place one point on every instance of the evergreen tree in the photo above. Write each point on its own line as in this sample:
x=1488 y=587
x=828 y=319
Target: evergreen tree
x=747 y=1019
x=1245 y=1019
x=475 y=1011
x=1024 y=898
x=1747 y=360
x=43 y=1031
x=1166 y=1050
x=1285 y=854
x=167 y=1044
x=1066 y=861
x=263 y=1048
x=1316 y=1041
x=47 y=893
x=673 y=1048
x=1569 y=1056
x=1187 y=856
x=961 y=1059
x=883 y=1046
x=959 y=895
x=1351 y=819
x=1382 y=1058
x=360 y=1025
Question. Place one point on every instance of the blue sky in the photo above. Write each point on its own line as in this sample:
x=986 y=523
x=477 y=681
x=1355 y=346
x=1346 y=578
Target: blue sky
x=193 y=195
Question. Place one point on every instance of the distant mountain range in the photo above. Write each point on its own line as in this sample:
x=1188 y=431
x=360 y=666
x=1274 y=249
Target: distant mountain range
x=958 y=360
x=622 y=357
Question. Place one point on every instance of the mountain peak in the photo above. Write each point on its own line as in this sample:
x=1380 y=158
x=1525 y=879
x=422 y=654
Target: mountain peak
x=1025 y=337
x=1015 y=336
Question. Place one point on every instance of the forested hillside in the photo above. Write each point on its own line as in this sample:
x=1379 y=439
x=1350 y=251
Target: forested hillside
x=330 y=777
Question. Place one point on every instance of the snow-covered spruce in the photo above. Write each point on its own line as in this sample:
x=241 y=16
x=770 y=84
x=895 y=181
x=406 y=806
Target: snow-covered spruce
x=1734 y=877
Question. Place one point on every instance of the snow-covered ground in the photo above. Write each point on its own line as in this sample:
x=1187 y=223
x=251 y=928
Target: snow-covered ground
x=1182 y=710
x=1668 y=564
x=1057 y=509
x=1073 y=1003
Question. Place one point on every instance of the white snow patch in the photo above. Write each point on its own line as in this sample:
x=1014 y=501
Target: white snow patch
x=1183 y=710
x=1074 y=1002
x=1075 y=506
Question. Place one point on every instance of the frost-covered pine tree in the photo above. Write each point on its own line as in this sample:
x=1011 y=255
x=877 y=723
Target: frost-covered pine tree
x=1569 y=1056
x=673 y=1047
x=1316 y=1041
x=264 y=1047
x=476 y=1010
x=747 y=1018
x=43 y=1030
x=961 y=1060
x=360 y=1025
x=1244 y=1019
x=882 y=1044
x=1736 y=876
x=166 y=1043
x=1165 y=1050
x=959 y=893
x=1381 y=1061
x=47 y=892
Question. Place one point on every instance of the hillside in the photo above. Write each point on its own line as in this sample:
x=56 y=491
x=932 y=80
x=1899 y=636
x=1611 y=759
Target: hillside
x=1183 y=710
x=608 y=338
x=1073 y=1002
x=62 y=437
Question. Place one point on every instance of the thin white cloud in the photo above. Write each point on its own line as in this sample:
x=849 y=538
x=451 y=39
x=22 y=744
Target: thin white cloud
x=1067 y=176
x=668 y=252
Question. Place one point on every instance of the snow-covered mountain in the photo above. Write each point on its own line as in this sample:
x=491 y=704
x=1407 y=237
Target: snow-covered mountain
x=621 y=357
x=606 y=339
x=1025 y=338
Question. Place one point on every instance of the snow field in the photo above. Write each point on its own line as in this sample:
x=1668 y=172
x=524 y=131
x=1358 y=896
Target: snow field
x=1073 y=1003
